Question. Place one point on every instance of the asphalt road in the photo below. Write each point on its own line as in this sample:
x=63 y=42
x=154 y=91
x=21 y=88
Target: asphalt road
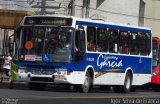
x=58 y=95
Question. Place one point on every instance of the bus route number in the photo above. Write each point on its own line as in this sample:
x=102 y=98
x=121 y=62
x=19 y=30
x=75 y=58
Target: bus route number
x=90 y=59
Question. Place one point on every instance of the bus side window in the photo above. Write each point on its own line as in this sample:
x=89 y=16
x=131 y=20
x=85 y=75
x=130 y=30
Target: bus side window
x=80 y=41
x=113 y=40
x=123 y=42
x=133 y=43
x=91 y=38
x=102 y=40
x=142 y=43
x=148 y=44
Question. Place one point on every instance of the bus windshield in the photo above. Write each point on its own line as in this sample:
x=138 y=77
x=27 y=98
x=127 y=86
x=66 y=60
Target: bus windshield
x=51 y=42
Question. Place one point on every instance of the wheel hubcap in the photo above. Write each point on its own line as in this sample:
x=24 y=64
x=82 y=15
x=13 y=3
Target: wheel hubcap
x=86 y=83
x=128 y=83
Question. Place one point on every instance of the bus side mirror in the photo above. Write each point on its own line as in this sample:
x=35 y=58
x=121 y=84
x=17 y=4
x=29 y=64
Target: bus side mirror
x=11 y=44
x=17 y=31
x=18 y=28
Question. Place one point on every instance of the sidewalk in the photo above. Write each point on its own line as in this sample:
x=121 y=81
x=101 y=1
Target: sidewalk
x=5 y=78
x=5 y=83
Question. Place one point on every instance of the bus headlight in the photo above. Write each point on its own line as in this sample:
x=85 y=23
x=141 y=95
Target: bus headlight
x=61 y=71
x=155 y=73
x=22 y=71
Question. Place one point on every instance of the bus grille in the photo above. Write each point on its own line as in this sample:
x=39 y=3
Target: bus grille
x=42 y=79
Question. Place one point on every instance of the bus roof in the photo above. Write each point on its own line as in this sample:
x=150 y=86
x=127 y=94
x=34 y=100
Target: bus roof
x=100 y=23
x=112 y=25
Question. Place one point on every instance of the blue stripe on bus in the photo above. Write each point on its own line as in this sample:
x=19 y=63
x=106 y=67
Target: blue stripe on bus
x=114 y=63
x=113 y=26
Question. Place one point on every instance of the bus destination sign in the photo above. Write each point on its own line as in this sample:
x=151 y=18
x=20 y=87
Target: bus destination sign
x=48 y=21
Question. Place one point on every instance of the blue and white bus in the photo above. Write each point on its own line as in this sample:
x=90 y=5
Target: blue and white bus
x=82 y=53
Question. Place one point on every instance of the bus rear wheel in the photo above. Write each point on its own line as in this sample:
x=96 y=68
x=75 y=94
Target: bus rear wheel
x=86 y=87
x=127 y=85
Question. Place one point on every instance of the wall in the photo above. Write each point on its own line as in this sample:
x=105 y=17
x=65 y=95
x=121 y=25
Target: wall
x=117 y=11
x=152 y=16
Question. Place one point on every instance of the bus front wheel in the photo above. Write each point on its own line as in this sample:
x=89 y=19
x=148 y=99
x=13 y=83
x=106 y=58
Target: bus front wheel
x=86 y=87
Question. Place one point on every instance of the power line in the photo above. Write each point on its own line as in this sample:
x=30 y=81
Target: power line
x=106 y=11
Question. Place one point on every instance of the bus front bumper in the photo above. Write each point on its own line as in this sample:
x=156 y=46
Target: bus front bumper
x=50 y=79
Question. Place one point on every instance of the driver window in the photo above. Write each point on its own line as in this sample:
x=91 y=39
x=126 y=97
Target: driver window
x=80 y=41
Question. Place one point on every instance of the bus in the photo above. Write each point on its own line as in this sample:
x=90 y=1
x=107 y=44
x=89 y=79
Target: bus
x=155 y=81
x=71 y=51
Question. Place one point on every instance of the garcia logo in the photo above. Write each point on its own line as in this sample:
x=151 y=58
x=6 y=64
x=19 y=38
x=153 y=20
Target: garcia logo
x=108 y=61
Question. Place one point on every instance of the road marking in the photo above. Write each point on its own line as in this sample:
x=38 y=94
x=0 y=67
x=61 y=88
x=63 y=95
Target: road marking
x=91 y=97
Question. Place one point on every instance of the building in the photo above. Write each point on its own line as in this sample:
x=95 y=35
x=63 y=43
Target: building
x=11 y=14
x=152 y=16
x=118 y=11
x=130 y=12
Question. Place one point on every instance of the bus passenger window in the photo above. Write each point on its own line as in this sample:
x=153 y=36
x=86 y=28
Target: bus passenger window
x=91 y=41
x=102 y=42
x=133 y=43
x=142 y=44
x=91 y=46
x=113 y=40
x=148 y=44
x=123 y=42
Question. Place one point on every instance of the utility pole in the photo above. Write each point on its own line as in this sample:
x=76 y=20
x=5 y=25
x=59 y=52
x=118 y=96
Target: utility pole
x=43 y=9
x=85 y=8
x=73 y=8
x=43 y=6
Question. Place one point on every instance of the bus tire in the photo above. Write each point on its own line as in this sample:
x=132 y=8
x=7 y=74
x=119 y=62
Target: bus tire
x=127 y=85
x=86 y=87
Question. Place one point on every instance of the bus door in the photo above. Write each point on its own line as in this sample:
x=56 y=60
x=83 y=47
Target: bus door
x=79 y=43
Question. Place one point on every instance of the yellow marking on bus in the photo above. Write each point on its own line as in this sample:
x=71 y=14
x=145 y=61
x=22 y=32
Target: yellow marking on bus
x=106 y=71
